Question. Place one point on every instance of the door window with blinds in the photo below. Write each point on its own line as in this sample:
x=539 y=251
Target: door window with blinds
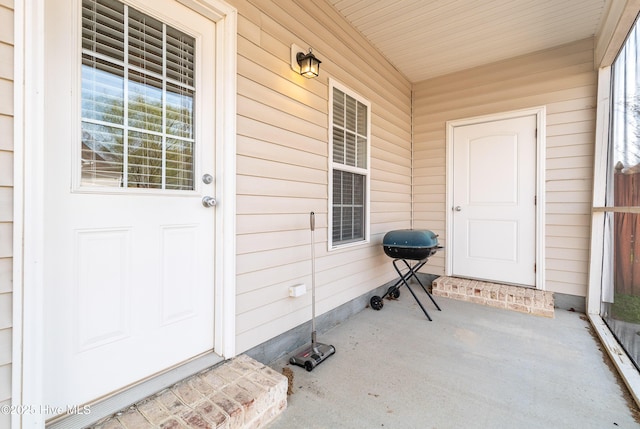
x=349 y=125
x=138 y=77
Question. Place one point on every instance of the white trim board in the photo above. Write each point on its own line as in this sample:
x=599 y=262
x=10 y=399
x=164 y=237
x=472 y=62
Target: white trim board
x=27 y=268
x=594 y=290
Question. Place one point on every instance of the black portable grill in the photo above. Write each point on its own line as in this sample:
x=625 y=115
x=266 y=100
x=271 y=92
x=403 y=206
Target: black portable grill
x=405 y=245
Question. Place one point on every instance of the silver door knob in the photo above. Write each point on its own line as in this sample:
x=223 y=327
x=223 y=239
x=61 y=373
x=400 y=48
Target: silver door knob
x=458 y=208
x=208 y=201
x=207 y=179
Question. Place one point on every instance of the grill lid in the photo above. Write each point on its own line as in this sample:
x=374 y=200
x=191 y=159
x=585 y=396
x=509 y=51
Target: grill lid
x=410 y=238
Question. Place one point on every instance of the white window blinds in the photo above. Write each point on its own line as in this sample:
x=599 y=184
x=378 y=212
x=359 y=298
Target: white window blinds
x=138 y=92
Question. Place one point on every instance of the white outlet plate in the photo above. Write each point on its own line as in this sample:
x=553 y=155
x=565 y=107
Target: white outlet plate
x=298 y=290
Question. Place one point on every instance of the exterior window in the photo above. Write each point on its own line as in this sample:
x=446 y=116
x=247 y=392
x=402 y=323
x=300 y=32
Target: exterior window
x=137 y=100
x=349 y=167
x=621 y=285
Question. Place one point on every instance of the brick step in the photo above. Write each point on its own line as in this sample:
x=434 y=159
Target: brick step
x=516 y=298
x=240 y=393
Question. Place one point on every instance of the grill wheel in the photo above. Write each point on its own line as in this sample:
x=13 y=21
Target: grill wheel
x=376 y=302
x=394 y=292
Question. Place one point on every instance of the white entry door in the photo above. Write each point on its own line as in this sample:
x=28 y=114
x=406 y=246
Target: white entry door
x=494 y=193
x=129 y=156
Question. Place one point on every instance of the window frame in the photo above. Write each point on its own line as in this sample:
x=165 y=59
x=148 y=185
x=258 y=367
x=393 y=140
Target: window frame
x=366 y=172
x=601 y=249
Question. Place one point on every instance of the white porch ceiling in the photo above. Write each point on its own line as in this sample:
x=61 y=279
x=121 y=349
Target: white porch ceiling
x=428 y=38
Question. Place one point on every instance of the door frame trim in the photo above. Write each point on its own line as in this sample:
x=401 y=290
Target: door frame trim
x=29 y=211
x=541 y=114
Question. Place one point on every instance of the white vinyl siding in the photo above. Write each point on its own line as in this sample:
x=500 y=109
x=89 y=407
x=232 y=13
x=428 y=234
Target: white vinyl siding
x=6 y=203
x=562 y=79
x=349 y=166
x=283 y=158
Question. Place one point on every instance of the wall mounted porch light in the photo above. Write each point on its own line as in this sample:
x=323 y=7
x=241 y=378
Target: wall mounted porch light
x=305 y=64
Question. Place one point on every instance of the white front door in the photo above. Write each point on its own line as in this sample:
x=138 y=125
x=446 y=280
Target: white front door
x=494 y=193
x=129 y=156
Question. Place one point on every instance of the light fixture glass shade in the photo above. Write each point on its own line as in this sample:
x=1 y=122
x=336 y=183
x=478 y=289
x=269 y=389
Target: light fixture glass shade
x=309 y=64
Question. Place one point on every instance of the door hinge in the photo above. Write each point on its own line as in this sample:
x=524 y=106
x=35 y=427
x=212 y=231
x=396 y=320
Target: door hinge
x=535 y=268
x=536 y=133
x=535 y=200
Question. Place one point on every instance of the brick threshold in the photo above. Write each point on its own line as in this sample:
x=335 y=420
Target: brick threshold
x=516 y=298
x=240 y=393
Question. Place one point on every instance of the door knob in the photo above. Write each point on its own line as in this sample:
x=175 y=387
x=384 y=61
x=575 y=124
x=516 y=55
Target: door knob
x=208 y=201
x=458 y=208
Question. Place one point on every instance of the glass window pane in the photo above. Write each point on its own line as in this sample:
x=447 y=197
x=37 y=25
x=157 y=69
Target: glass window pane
x=338 y=108
x=346 y=223
x=358 y=222
x=338 y=145
x=625 y=147
x=145 y=161
x=179 y=112
x=350 y=114
x=337 y=226
x=337 y=187
x=180 y=57
x=358 y=190
x=179 y=164
x=145 y=102
x=350 y=149
x=347 y=188
x=102 y=155
x=145 y=42
x=103 y=28
x=361 y=152
x=102 y=91
x=362 y=119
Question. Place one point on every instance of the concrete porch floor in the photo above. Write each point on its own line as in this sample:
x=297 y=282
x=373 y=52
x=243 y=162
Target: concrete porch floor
x=472 y=367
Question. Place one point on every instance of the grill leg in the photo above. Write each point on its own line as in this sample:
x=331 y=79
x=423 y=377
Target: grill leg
x=412 y=273
x=417 y=300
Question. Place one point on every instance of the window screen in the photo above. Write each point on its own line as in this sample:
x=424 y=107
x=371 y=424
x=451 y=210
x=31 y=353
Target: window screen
x=620 y=301
x=138 y=94
x=350 y=170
